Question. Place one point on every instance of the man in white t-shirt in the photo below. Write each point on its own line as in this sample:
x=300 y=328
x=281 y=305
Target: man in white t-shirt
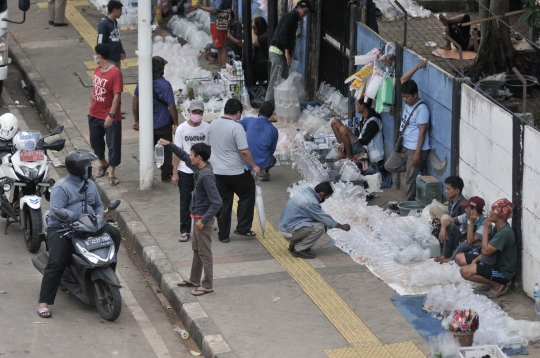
x=192 y=131
x=230 y=152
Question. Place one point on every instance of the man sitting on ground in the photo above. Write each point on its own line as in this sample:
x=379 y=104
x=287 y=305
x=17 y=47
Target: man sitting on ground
x=453 y=190
x=262 y=138
x=304 y=222
x=502 y=244
x=370 y=134
x=473 y=222
x=459 y=33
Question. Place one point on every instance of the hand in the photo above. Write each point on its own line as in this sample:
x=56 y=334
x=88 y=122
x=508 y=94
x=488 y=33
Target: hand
x=135 y=126
x=341 y=147
x=344 y=227
x=199 y=225
x=174 y=127
x=174 y=179
x=288 y=57
x=122 y=56
x=108 y=122
x=422 y=64
x=416 y=159
x=487 y=222
x=256 y=169
x=197 y=6
x=442 y=235
x=163 y=142
x=474 y=216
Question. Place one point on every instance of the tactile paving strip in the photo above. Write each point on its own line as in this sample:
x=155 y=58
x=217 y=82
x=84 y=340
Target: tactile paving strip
x=83 y=27
x=364 y=343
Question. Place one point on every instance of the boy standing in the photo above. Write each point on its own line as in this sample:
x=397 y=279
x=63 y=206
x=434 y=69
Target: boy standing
x=204 y=207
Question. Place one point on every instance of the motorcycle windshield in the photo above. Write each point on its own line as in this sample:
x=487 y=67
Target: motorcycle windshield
x=3 y=5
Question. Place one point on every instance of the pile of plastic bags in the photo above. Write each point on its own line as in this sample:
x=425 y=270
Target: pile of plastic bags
x=333 y=99
x=413 y=9
x=129 y=18
x=192 y=32
x=287 y=96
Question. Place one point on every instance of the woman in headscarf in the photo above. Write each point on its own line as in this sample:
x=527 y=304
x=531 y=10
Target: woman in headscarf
x=259 y=35
x=502 y=243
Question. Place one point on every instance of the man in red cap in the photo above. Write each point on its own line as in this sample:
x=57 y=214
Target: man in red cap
x=469 y=224
x=496 y=266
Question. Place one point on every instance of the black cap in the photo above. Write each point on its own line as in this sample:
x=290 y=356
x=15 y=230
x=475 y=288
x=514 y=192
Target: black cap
x=305 y=3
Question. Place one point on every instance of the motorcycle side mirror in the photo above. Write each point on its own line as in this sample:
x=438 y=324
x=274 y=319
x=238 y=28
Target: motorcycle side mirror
x=57 y=145
x=113 y=205
x=61 y=215
x=57 y=130
x=24 y=5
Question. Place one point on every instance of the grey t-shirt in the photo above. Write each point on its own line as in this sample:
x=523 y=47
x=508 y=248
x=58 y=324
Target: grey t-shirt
x=227 y=138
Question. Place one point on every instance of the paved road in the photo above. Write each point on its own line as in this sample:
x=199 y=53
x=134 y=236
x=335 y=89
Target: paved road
x=144 y=329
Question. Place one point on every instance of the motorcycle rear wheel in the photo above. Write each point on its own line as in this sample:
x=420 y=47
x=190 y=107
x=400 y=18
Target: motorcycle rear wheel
x=33 y=221
x=111 y=305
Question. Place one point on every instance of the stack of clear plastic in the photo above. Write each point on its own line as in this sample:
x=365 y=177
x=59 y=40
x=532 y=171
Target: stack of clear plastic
x=302 y=184
x=283 y=148
x=350 y=172
x=190 y=32
x=129 y=18
x=334 y=99
x=183 y=61
x=496 y=327
x=287 y=100
x=309 y=166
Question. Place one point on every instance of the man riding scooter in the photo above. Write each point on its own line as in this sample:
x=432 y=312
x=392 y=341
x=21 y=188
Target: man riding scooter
x=77 y=195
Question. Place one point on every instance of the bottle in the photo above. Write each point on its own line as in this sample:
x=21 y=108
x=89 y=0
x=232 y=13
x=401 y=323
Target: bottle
x=537 y=299
x=245 y=97
x=159 y=155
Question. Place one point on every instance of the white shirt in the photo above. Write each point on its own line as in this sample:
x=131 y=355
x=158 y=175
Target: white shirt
x=186 y=136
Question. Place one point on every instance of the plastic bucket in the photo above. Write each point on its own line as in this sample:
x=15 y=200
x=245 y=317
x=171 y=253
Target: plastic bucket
x=465 y=338
x=406 y=207
x=516 y=87
x=491 y=87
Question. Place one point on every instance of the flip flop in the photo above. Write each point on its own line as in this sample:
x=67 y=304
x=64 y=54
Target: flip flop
x=247 y=234
x=494 y=294
x=184 y=237
x=102 y=170
x=44 y=312
x=186 y=284
x=198 y=293
x=113 y=181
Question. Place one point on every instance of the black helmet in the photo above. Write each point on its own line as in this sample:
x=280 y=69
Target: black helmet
x=76 y=160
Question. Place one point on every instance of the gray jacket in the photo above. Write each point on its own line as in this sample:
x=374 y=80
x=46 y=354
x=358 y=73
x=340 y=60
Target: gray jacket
x=67 y=194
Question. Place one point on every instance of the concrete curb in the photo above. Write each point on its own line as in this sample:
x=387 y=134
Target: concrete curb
x=199 y=325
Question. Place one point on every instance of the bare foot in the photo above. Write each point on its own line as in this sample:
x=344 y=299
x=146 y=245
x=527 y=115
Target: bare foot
x=443 y=19
x=447 y=47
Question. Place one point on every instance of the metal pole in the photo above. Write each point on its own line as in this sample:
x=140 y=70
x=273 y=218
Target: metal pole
x=404 y=23
x=272 y=23
x=352 y=52
x=524 y=89
x=458 y=46
x=247 y=45
x=146 y=110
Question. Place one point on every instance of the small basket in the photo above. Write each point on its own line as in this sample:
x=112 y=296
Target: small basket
x=465 y=338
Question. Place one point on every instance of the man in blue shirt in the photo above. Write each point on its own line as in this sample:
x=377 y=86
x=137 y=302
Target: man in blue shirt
x=304 y=222
x=414 y=125
x=165 y=114
x=262 y=139
x=109 y=32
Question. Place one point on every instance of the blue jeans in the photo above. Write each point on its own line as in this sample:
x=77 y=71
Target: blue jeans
x=113 y=137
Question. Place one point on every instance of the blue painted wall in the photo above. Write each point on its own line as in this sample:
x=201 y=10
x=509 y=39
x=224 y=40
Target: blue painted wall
x=435 y=88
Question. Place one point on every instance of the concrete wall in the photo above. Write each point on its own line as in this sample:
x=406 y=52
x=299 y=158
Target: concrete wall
x=485 y=161
x=531 y=210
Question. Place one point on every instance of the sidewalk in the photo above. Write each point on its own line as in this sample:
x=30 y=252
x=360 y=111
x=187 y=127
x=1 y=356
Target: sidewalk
x=266 y=303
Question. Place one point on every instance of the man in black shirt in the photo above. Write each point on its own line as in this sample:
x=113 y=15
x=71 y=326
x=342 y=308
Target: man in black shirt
x=234 y=36
x=109 y=32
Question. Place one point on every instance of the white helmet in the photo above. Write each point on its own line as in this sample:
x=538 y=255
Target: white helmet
x=9 y=125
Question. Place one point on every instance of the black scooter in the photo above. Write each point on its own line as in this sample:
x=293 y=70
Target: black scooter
x=89 y=275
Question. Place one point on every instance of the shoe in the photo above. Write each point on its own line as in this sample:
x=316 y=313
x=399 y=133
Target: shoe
x=266 y=177
x=225 y=240
x=51 y=22
x=305 y=254
x=291 y=248
x=55 y=24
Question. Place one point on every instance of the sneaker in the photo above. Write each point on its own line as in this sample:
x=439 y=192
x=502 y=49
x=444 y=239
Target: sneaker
x=225 y=240
x=305 y=254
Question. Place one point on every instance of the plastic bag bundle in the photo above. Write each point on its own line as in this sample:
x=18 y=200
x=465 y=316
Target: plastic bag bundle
x=413 y=9
x=411 y=254
x=350 y=172
x=444 y=345
x=287 y=98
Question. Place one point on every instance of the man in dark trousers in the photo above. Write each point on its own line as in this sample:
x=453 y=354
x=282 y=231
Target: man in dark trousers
x=165 y=114
x=283 y=44
x=109 y=32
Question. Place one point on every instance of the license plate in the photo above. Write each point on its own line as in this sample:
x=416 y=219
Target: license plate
x=32 y=155
x=97 y=242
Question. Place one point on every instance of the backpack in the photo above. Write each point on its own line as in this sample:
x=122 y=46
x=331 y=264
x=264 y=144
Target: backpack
x=223 y=19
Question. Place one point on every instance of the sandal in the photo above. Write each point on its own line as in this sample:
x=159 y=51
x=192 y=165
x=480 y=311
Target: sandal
x=494 y=294
x=102 y=170
x=114 y=181
x=247 y=234
x=184 y=237
x=187 y=284
x=201 y=292
x=44 y=312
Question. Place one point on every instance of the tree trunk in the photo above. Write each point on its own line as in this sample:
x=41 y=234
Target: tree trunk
x=496 y=53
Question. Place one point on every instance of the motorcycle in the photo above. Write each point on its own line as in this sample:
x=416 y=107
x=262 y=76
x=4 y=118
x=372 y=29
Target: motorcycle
x=25 y=169
x=89 y=275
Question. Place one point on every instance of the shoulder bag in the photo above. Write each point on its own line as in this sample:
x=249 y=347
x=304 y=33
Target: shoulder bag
x=398 y=144
x=223 y=19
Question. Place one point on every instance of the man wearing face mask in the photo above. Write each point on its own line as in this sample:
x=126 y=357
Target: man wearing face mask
x=304 y=222
x=77 y=194
x=191 y=132
x=165 y=114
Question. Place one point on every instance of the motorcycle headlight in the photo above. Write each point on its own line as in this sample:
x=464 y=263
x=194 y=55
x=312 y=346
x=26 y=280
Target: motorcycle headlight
x=6 y=186
x=31 y=173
